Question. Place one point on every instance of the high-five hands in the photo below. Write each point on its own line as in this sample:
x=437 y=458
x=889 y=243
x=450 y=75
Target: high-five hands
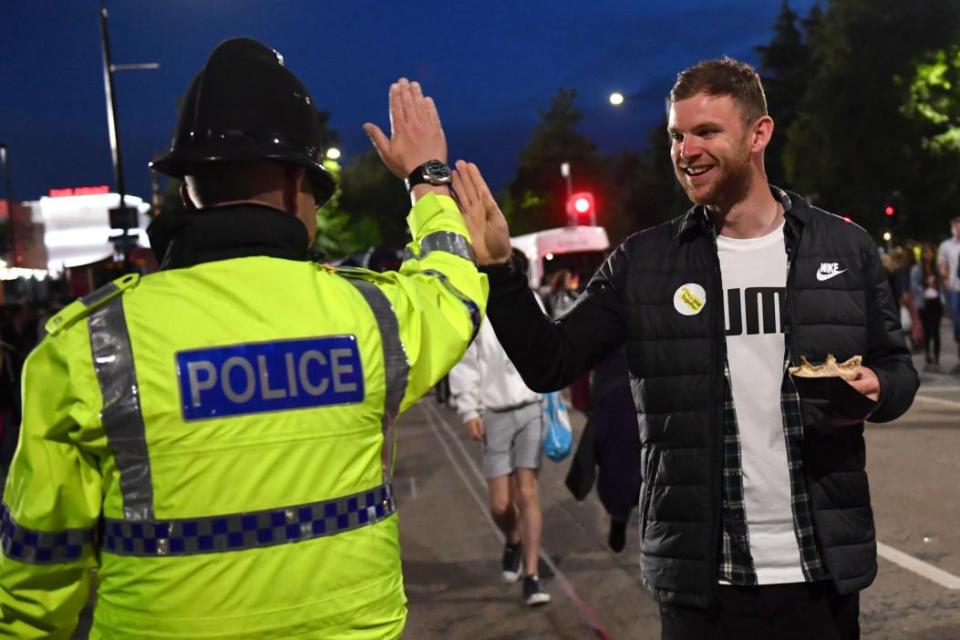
x=416 y=133
x=417 y=136
x=485 y=222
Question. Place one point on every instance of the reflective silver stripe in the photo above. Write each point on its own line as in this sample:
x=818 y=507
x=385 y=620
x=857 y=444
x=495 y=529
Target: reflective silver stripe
x=104 y=292
x=449 y=242
x=121 y=417
x=249 y=530
x=395 y=365
x=471 y=306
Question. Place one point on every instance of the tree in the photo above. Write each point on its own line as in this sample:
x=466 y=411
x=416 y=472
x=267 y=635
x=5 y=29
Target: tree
x=647 y=189
x=934 y=99
x=537 y=195
x=376 y=202
x=851 y=143
x=337 y=234
x=785 y=67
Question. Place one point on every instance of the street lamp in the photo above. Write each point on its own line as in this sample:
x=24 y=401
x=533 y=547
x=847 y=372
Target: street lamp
x=121 y=217
x=616 y=98
x=333 y=153
x=565 y=172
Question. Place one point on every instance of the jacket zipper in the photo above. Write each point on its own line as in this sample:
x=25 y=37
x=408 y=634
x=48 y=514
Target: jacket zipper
x=792 y=240
x=718 y=378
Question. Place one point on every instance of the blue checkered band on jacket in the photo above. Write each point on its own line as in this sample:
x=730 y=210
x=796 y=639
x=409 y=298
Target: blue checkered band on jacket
x=250 y=530
x=31 y=546
x=736 y=563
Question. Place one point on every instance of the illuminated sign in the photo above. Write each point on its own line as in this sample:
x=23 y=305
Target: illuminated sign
x=79 y=191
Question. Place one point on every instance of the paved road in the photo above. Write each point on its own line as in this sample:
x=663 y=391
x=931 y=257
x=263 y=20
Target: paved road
x=451 y=548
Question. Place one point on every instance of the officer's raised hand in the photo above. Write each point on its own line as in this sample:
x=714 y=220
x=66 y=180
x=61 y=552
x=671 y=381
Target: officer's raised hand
x=489 y=232
x=416 y=133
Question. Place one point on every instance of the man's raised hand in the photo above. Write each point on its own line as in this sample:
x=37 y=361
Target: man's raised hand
x=488 y=228
x=416 y=133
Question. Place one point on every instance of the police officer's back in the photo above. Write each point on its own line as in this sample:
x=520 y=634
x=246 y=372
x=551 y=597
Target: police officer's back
x=218 y=437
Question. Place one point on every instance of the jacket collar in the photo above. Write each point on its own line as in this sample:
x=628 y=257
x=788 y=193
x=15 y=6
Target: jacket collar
x=696 y=220
x=219 y=233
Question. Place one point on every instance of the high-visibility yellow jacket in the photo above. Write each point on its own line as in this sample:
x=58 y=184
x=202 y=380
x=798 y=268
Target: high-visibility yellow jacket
x=217 y=441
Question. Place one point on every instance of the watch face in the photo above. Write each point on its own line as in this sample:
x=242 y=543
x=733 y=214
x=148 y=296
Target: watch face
x=436 y=172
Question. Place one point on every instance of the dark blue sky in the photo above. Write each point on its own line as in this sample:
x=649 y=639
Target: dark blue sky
x=490 y=65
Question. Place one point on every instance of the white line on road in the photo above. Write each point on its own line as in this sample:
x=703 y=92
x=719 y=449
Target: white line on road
x=413 y=488
x=940 y=388
x=941 y=401
x=919 y=567
x=433 y=417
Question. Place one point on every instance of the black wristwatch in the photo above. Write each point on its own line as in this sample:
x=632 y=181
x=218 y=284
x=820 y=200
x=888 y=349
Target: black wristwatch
x=430 y=172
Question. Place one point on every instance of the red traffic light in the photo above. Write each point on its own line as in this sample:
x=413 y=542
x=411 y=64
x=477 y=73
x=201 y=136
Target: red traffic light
x=581 y=209
x=889 y=210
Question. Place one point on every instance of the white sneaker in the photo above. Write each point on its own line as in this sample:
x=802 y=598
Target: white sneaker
x=533 y=594
x=510 y=565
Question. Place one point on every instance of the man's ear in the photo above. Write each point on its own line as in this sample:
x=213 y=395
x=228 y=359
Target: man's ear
x=185 y=196
x=762 y=133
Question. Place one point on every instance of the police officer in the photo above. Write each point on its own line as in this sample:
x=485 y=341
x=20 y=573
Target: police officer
x=216 y=439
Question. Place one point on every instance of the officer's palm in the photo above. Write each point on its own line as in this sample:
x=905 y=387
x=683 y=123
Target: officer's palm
x=416 y=133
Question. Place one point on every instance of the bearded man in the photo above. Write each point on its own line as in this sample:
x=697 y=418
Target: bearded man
x=755 y=517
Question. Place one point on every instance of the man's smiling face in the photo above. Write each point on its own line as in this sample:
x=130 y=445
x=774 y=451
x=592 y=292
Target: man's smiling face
x=710 y=149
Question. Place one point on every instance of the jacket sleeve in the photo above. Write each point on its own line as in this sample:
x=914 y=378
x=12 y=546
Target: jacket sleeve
x=438 y=297
x=465 y=382
x=51 y=504
x=552 y=354
x=887 y=352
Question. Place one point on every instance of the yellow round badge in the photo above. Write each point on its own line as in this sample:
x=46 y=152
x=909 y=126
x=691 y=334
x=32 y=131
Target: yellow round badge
x=689 y=299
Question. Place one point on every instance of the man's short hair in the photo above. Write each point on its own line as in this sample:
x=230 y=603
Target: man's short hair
x=723 y=77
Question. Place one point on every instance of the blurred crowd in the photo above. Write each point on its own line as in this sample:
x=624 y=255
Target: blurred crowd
x=21 y=328
x=922 y=278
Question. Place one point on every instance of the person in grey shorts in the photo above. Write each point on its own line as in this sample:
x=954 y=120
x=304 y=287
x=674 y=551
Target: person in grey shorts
x=498 y=409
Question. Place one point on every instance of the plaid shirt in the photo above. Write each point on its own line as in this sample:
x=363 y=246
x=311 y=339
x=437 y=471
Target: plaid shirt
x=736 y=564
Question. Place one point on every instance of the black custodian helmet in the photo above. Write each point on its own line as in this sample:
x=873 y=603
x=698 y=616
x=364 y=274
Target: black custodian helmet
x=244 y=105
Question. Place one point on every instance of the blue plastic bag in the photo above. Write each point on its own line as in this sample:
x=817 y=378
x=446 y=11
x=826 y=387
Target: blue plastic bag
x=558 y=436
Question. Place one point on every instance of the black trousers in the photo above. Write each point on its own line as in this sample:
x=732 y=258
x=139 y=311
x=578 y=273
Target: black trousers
x=802 y=611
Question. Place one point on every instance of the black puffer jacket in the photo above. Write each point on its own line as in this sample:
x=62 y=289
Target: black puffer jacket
x=676 y=367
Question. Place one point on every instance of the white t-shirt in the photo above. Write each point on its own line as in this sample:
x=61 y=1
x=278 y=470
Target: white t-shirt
x=754 y=274
x=950 y=254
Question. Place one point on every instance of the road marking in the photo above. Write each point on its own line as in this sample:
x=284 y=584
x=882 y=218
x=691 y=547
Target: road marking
x=433 y=416
x=937 y=388
x=953 y=404
x=919 y=567
x=413 y=488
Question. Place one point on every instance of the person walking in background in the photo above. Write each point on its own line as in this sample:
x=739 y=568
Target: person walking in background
x=949 y=261
x=926 y=286
x=609 y=448
x=561 y=293
x=904 y=260
x=501 y=412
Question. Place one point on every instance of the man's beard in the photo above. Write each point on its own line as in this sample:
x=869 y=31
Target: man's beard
x=731 y=187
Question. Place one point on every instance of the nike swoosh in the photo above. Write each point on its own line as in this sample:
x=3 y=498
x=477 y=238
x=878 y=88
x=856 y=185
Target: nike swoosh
x=822 y=277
